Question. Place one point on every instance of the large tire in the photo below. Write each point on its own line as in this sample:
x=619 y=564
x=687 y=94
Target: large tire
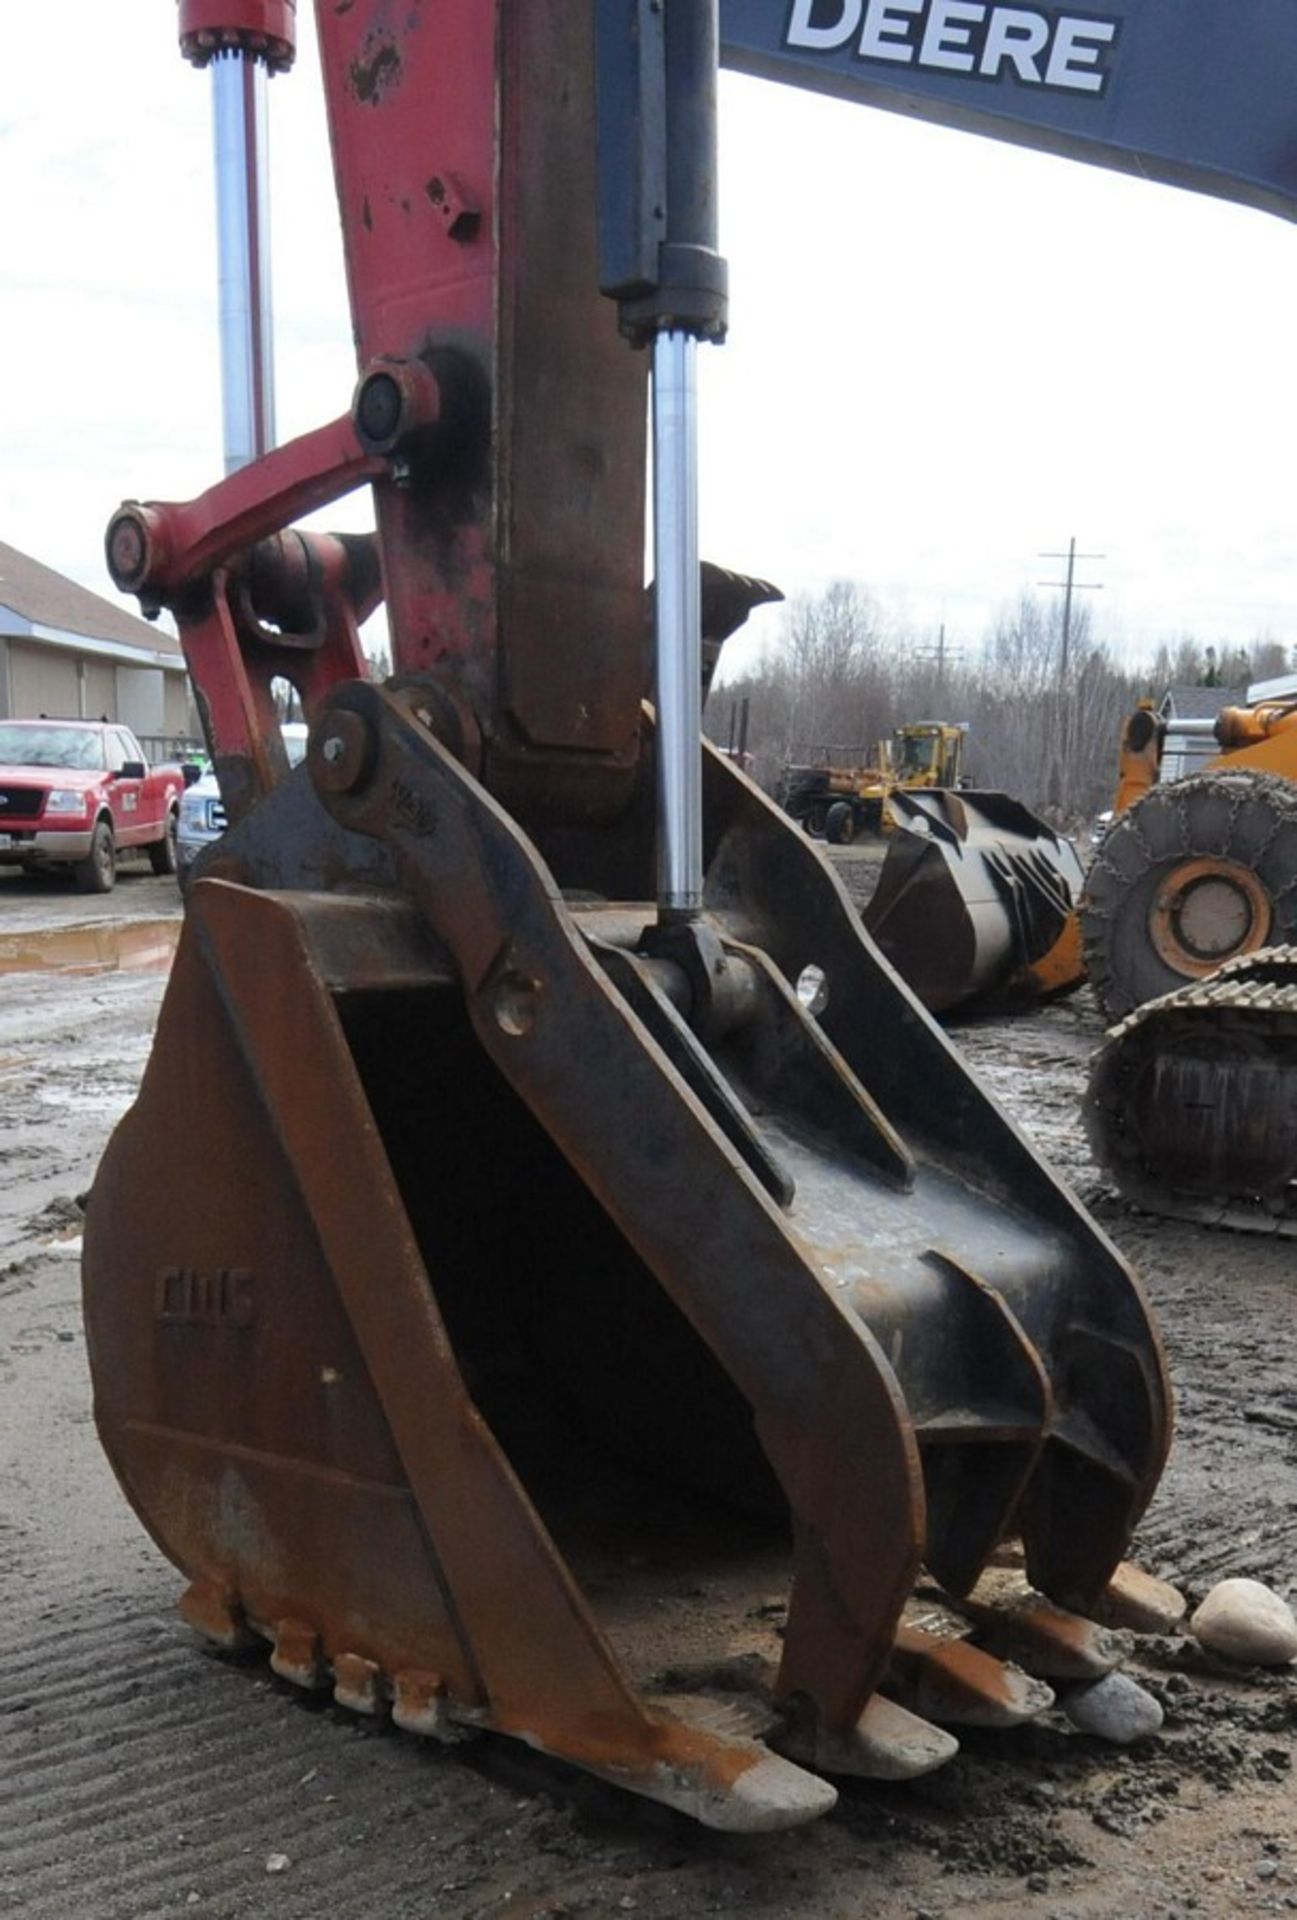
x=97 y=873
x=1196 y=873
x=840 y=826
x=814 y=820
x=162 y=854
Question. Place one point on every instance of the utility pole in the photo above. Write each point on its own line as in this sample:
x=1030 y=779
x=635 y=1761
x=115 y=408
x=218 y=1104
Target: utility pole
x=1070 y=585
x=941 y=653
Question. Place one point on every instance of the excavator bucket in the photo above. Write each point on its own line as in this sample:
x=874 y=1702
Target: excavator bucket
x=977 y=901
x=556 y=1280
x=526 y=1329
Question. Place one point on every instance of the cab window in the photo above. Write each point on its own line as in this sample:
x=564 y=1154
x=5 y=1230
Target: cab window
x=121 y=748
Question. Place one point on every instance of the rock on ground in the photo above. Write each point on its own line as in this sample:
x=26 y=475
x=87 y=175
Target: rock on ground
x=1247 y=1621
x=1115 y=1708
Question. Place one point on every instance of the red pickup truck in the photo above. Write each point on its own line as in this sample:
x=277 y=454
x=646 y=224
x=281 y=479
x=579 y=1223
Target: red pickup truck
x=79 y=793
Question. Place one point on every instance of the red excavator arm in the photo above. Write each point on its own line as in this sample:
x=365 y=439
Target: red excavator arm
x=473 y=281
x=532 y=1214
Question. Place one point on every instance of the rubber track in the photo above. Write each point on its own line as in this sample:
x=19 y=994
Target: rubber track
x=1110 y=882
x=1258 y=988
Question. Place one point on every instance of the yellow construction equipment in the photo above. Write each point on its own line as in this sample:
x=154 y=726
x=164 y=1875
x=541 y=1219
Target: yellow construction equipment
x=839 y=802
x=1200 y=870
x=1190 y=920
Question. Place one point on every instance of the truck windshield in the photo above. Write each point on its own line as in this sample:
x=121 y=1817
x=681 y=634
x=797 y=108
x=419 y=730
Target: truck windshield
x=80 y=748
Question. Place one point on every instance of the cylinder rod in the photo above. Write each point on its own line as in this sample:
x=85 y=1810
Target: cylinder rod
x=243 y=238
x=678 y=636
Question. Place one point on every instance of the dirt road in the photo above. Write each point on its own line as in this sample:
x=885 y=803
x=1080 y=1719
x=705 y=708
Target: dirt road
x=139 y=1777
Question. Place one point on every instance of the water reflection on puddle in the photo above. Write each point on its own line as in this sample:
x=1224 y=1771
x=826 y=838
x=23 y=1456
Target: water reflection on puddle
x=144 y=946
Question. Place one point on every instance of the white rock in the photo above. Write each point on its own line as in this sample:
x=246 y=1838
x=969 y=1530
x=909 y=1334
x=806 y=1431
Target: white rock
x=1247 y=1621
x=278 y=1863
x=1115 y=1708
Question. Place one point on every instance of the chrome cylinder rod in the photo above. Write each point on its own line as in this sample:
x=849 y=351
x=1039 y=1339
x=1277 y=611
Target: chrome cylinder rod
x=243 y=239
x=678 y=634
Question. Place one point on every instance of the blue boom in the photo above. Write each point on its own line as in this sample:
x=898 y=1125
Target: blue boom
x=1197 y=93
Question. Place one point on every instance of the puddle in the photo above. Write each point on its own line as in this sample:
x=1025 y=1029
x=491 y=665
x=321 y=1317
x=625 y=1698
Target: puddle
x=144 y=946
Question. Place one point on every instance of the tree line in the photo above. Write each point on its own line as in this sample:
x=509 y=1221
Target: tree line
x=1044 y=728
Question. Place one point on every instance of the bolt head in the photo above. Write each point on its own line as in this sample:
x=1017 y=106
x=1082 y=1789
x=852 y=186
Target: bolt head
x=379 y=406
x=127 y=549
x=342 y=752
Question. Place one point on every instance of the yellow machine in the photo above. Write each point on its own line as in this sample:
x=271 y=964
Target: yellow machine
x=928 y=754
x=837 y=803
x=1195 y=870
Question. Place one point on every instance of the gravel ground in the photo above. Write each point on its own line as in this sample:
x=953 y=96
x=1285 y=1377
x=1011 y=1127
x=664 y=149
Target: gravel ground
x=139 y=1777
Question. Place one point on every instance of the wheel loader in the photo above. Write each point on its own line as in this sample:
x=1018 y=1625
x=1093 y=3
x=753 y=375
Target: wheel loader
x=1200 y=870
x=838 y=803
x=555 y=1280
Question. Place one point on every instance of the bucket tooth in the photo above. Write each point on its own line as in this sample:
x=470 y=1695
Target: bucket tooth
x=213 y=1611
x=888 y=1742
x=771 y=1795
x=1141 y=1603
x=420 y=1705
x=740 y=1787
x=959 y=1685
x=359 y=1684
x=297 y=1655
x=1019 y=1623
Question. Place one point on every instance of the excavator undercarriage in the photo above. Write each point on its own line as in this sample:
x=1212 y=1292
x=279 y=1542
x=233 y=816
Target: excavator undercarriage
x=1192 y=1102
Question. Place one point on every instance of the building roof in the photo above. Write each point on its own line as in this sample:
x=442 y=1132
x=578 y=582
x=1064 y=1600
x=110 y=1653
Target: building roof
x=1183 y=703
x=45 y=600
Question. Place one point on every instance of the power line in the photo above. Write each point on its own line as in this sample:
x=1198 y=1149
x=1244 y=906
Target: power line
x=1070 y=585
x=941 y=653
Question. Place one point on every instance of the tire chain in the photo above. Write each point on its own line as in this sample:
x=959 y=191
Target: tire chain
x=1257 y=991
x=1236 y=786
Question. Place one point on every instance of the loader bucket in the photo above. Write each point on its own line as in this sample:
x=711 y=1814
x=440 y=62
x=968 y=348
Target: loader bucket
x=526 y=1323
x=977 y=901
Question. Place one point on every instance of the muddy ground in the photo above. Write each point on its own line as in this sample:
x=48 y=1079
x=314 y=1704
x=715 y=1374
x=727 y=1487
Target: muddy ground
x=140 y=1777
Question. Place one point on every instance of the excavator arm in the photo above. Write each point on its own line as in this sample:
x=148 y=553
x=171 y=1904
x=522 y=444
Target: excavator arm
x=1187 y=92
x=548 y=1229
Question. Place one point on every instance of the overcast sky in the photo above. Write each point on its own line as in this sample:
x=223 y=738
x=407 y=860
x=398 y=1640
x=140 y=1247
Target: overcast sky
x=946 y=355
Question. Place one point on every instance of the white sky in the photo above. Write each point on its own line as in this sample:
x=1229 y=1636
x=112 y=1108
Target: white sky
x=946 y=355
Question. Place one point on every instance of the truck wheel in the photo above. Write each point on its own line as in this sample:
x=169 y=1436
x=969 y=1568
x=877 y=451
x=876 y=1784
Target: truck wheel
x=840 y=827
x=162 y=854
x=1194 y=874
x=814 y=822
x=98 y=871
